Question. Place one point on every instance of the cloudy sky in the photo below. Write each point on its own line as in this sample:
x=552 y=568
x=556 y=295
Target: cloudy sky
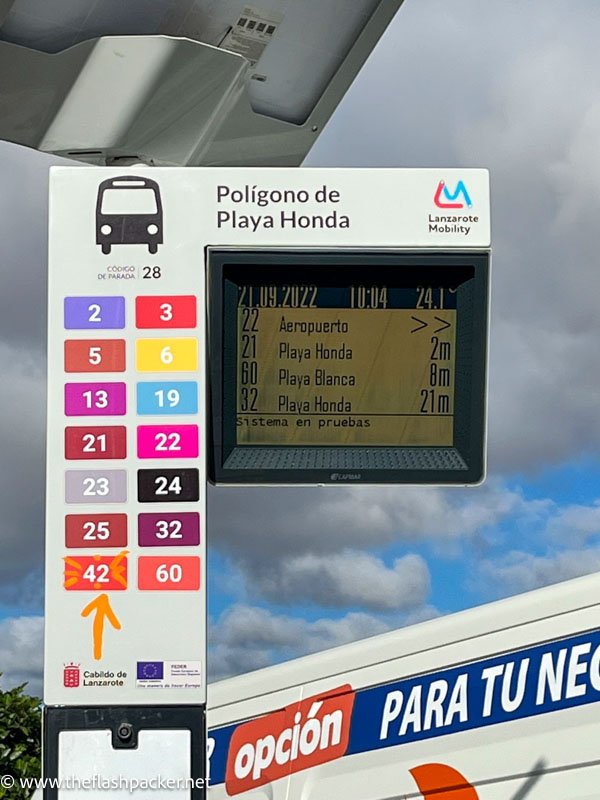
x=510 y=86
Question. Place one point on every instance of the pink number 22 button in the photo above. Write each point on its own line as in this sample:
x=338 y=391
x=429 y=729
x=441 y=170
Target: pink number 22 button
x=167 y=441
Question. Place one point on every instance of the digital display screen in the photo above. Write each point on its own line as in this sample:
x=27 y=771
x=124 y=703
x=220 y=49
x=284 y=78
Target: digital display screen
x=360 y=364
x=348 y=366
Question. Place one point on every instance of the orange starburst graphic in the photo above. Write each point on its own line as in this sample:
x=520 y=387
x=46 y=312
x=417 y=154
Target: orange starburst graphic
x=89 y=573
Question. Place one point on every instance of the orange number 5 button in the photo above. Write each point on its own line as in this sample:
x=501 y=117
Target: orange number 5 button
x=95 y=355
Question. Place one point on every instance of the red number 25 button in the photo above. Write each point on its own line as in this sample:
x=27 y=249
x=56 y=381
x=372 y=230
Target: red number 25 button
x=165 y=311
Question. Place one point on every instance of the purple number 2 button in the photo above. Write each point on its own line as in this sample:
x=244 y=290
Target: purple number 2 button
x=88 y=313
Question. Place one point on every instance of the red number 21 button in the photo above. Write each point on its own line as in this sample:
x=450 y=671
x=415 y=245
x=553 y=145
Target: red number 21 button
x=165 y=311
x=83 y=443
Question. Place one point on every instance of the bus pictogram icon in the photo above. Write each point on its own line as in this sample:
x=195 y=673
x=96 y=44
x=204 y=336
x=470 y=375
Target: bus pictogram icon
x=129 y=211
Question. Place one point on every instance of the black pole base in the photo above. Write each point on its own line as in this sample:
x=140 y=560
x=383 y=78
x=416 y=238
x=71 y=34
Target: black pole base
x=125 y=724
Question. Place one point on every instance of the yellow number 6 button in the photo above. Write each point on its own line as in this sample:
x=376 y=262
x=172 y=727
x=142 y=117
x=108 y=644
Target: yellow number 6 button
x=166 y=355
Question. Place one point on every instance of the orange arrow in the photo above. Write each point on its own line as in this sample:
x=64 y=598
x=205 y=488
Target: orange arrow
x=101 y=605
x=439 y=781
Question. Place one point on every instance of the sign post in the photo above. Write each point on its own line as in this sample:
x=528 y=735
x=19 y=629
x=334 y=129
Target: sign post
x=347 y=319
x=125 y=664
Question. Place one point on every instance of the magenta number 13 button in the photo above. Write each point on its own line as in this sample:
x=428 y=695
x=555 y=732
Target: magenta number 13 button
x=169 y=530
x=95 y=399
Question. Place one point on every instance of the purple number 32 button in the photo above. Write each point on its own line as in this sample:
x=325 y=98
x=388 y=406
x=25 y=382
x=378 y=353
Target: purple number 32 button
x=169 y=530
x=88 y=313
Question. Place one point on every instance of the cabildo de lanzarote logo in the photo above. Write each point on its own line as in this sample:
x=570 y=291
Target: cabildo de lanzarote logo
x=457 y=200
x=72 y=675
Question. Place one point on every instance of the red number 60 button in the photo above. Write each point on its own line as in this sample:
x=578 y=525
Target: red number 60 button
x=169 y=573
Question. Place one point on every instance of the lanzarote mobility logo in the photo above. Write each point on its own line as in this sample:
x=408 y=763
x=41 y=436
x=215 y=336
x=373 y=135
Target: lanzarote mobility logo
x=444 y=198
x=457 y=201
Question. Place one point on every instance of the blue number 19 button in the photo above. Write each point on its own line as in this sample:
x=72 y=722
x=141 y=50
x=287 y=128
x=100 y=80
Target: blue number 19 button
x=167 y=397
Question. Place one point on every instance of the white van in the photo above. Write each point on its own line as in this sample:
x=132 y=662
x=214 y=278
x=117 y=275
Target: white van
x=501 y=702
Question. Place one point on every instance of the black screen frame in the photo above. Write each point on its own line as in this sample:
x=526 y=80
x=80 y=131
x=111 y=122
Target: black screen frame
x=463 y=464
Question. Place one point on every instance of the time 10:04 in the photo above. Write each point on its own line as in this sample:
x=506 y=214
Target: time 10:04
x=368 y=297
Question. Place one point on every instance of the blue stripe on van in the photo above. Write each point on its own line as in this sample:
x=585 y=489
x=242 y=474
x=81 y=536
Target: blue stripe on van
x=524 y=683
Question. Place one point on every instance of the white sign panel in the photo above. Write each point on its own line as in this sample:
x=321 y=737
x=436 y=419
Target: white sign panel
x=126 y=520
x=126 y=485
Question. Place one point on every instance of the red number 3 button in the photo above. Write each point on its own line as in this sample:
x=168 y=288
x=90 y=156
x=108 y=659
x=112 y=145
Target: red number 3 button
x=165 y=311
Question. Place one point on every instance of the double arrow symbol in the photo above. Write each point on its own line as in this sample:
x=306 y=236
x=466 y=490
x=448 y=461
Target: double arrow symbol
x=423 y=324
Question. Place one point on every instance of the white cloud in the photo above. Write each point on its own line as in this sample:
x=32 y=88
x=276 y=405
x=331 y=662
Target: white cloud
x=24 y=237
x=310 y=546
x=22 y=463
x=538 y=135
x=349 y=578
x=246 y=637
x=22 y=653
x=520 y=571
x=278 y=523
x=569 y=534
x=542 y=396
x=574 y=524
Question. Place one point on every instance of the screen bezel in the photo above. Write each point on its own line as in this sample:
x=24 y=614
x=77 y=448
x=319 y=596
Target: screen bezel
x=466 y=456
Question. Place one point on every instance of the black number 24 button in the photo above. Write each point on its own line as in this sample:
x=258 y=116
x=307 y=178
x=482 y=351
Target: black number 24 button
x=168 y=485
